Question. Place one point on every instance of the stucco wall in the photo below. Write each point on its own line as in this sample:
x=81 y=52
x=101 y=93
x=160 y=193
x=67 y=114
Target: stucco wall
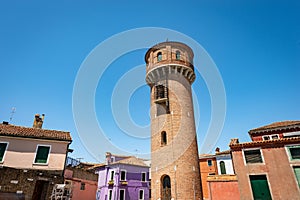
x=278 y=169
x=21 y=153
x=228 y=164
x=133 y=179
x=224 y=190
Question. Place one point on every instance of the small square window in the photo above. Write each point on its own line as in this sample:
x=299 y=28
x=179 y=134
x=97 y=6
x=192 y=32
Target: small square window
x=253 y=156
x=42 y=154
x=209 y=163
x=274 y=137
x=266 y=137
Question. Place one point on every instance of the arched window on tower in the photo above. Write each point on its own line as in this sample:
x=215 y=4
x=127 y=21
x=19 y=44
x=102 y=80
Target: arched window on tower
x=177 y=55
x=222 y=167
x=163 y=138
x=159 y=56
x=166 y=188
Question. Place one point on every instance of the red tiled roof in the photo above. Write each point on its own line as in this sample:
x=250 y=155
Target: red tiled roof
x=38 y=133
x=265 y=143
x=275 y=126
x=132 y=161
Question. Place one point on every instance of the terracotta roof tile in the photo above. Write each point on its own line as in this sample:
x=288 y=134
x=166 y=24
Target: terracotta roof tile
x=276 y=125
x=132 y=161
x=20 y=131
x=262 y=143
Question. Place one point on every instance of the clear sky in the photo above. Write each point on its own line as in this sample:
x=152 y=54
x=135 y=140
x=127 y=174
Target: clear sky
x=254 y=44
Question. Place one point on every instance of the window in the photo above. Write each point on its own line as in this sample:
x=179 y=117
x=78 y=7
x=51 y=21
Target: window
x=159 y=56
x=294 y=152
x=82 y=186
x=141 y=195
x=177 y=55
x=122 y=194
x=3 y=146
x=222 y=167
x=160 y=92
x=163 y=138
x=274 y=137
x=253 y=156
x=297 y=174
x=112 y=174
x=109 y=194
x=143 y=176
x=266 y=137
x=270 y=137
x=149 y=193
x=42 y=154
x=123 y=175
x=209 y=163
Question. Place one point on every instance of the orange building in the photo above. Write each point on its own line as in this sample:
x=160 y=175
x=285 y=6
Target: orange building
x=208 y=166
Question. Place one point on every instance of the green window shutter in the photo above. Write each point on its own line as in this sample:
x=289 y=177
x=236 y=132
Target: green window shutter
x=297 y=174
x=42 y=154
x=223 y=168
x=2 y=150
x=295 y=152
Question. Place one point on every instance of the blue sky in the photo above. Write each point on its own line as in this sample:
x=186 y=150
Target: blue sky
x=255 y=45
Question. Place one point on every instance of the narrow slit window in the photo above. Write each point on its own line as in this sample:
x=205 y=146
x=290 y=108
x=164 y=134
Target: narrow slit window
x=177 y=55
x=163 y=138
x=159 y=56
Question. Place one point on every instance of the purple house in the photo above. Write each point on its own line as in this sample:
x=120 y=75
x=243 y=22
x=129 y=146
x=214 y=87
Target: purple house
x=123 y=178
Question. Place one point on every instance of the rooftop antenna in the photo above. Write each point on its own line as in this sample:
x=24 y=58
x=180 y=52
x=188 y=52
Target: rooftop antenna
x=136 y=150
x=13 y=110
x=167 y=40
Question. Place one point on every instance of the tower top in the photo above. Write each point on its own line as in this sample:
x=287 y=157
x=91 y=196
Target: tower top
x=169 y=58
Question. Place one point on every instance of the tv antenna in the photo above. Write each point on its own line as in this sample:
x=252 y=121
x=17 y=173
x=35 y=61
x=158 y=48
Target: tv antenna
x=13 y=110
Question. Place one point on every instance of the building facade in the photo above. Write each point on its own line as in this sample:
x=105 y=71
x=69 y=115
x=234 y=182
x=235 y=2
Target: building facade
x=269 y=166
x=208 y=166
x=123 y=178
x=32 y=160
x=175 y=170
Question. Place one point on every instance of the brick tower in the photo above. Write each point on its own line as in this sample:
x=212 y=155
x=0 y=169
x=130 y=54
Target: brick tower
x=175 y=170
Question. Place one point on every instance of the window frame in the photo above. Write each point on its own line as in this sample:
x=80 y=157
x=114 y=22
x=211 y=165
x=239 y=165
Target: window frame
x=177 y=55
x=5 y=150
x=159 y=56
x=288 y=147
x=36 y=151
x=82 y=186
x=112 y=175
x=209 y=161
x=251 y=149
x=123 y=170
x=143 y=196
x=120 y=194
x=142 y=176
x=110 y=194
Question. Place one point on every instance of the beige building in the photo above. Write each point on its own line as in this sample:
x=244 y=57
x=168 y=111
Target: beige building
x=32 y=160
x=175 y=170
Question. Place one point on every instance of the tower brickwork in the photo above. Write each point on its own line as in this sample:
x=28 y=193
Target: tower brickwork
x=175 y=170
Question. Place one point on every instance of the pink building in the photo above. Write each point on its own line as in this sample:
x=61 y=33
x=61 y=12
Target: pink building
x=269 y=166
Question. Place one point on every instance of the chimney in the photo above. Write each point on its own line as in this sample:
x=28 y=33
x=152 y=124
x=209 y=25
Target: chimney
x=234 y=141
x=107 y=158
x=38 y=121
